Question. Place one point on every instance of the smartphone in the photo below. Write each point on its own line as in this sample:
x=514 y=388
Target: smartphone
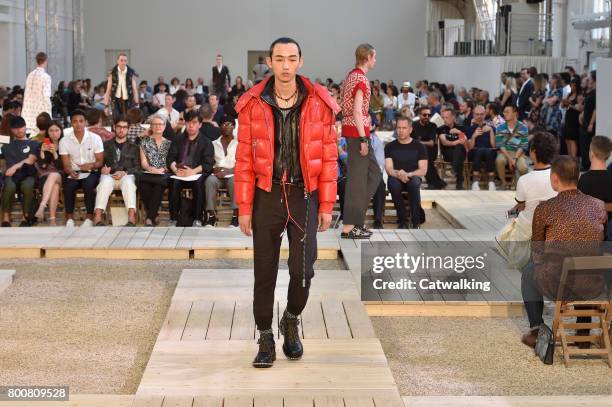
x=512 y=213
x=47 y=141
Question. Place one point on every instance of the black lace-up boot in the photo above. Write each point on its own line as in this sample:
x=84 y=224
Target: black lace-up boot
x=292 y=346
x=267 y=350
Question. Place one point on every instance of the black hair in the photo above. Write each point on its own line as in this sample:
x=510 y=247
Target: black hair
x=285 y=40
x=121 y=118
x=78 y=112
x=192 y=114
x=545 y=146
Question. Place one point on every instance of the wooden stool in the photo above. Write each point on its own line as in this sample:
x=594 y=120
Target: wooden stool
x=600 y=309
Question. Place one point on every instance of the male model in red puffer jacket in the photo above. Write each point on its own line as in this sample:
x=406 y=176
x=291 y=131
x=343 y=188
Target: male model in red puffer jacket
x=285 y=179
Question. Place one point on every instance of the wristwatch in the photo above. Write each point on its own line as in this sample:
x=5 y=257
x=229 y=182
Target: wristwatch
x=363 y=140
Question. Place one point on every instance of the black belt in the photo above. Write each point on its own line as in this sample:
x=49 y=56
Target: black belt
x=298 y=184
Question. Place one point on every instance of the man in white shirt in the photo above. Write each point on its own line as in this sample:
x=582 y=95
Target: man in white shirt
x=223 y=171
x=168 y=112
x=406 y=98
x=37 y=96
x=82 y=154
x=121 y=86
x=535 y=187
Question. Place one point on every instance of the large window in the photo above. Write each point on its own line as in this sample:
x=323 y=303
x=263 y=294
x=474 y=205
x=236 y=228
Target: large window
x=601 y=34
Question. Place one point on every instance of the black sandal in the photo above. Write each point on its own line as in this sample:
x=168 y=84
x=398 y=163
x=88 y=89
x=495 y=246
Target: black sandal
x=130 y=224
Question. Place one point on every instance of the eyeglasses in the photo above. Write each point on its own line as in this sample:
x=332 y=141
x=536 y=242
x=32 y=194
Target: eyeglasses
x=425 y=114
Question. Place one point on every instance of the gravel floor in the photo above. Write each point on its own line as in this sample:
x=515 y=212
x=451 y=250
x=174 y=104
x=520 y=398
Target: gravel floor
x=479 y=357
x=89 y=324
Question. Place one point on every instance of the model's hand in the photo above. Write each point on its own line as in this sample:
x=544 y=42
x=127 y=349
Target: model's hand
x=324 y=221
x=363 y=149
x=245 y=224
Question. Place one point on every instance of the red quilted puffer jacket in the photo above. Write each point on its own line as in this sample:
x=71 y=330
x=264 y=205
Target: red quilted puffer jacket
x=255 y=153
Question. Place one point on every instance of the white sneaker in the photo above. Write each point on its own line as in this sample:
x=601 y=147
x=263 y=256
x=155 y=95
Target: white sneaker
x=88 y=223
x=475 y=186
x=197 y=224
x=70 y=223
x=492 y=186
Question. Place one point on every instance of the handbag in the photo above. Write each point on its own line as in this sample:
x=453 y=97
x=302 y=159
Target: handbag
x=545 y=345
x=186 y=214
x=157 y=179
x=514 y=240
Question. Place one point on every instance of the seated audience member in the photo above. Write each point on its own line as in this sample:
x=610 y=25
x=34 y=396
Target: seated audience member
x=191 y=104
x=512 y=140
x=217 y=110
x=342 y=173
x=82 y=156
x=190 y=154
x=434 y=103
x=153 y=182
x=135 y=118
x=481 y=144
x=223 y=172
x=95 y=119
x=378 y=199
x=159 y=98
x=426 y=132
x=168 y=112
x=49 y=167
x=453 y=144
x=20 y=175
x=42 y=123
x=466 y=113
x=145 y=97
x=201 y=88
x=121 y=165
x=575 y=221
x=406 y=97
x=535 y=186
x=494 y=118
x=209 y=128
x=405 y=163
x=597 y=182
x=390 y=106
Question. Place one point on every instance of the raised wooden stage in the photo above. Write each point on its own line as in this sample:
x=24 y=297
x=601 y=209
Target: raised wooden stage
x=202 y=356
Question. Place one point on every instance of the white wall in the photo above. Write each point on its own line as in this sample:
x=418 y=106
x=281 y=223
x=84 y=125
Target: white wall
x=604 y=97
x=481 y=72
x=182 y=37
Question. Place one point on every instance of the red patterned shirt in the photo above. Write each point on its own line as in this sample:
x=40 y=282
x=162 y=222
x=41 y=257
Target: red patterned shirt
x=356 y=79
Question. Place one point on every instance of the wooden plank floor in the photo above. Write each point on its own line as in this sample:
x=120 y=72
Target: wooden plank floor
x=481 y=215
x=508 y=401
x=140 y=243
x=207 y=343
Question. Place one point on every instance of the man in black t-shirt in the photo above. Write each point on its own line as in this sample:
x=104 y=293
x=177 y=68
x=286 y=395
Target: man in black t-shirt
x=425 y=131
x=481 y=142
x=597 y=181
x=453 y=143
x=587 y=121
x=20 y=155
x=405 y=163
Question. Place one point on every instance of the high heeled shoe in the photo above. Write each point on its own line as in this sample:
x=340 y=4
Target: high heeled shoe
x=40 y=213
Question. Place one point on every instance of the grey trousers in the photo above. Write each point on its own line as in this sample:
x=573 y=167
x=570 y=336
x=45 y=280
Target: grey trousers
x=363 y=178
x=212 y=184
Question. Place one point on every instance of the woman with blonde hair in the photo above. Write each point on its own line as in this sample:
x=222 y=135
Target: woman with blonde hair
x=510 y=93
